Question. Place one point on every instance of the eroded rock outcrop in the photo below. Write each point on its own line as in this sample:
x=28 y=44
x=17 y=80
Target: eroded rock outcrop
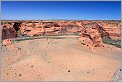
x=8 y=31
x=7 y=42
x=113 y=28
x=91 y=35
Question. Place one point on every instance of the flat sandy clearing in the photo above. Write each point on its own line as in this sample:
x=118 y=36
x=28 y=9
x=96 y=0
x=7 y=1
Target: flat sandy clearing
x=59 y=59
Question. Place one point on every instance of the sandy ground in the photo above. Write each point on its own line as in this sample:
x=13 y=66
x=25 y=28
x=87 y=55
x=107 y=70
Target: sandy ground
x=59 y=59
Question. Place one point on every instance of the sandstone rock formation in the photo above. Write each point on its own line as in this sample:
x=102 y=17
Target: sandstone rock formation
x=36 y=31
x=110 y=29
x=8 y=31
x=91 y=35
x=7 y=42
x=113 y=28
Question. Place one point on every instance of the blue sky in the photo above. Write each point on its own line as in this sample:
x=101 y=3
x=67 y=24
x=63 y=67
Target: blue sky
x=42 y=10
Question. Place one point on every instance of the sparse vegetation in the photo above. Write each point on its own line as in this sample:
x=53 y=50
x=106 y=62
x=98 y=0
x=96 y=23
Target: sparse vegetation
x=116 y=43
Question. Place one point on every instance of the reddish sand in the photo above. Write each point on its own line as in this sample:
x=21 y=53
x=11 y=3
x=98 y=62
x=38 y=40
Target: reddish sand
x=59 y=59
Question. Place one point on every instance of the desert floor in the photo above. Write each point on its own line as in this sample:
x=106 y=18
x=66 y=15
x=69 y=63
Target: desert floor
x=61 y=59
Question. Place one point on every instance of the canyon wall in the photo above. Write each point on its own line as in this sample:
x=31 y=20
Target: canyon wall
x=110 y=29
